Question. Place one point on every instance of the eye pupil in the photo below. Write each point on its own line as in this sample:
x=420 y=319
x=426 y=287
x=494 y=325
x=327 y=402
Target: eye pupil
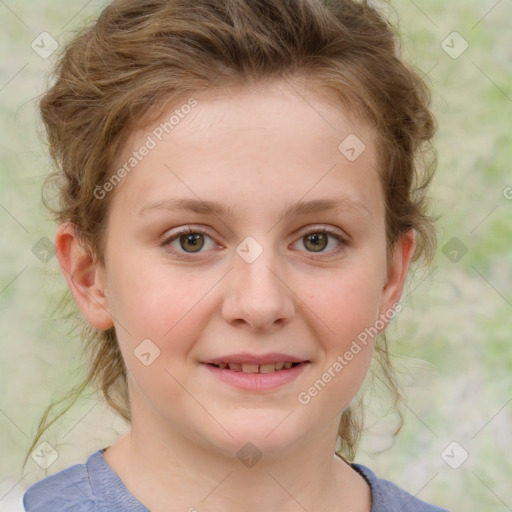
x=194 y=240
x=318 y=240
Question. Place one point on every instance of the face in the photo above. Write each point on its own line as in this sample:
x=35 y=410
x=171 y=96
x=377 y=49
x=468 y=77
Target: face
x=246 y=237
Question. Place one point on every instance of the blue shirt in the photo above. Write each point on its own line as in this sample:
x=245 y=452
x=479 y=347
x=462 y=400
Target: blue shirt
x=95 y=487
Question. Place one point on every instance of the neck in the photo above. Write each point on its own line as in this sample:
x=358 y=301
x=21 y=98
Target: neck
x=169 y=468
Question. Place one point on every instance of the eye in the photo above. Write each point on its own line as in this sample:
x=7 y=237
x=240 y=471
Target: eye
x=188 y=241
x=317 y=240
x=192 y=240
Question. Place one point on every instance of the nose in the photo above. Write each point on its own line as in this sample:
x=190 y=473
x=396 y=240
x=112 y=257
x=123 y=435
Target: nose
x=257 y=295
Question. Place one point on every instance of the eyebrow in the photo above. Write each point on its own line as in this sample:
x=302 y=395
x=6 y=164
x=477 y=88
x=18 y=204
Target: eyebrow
x=297 y=208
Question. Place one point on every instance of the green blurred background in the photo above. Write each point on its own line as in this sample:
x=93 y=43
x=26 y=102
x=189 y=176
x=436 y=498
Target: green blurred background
x=452 y=341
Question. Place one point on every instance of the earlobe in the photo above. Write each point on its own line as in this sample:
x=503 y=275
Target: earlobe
x=398 y=270
x=84 y=275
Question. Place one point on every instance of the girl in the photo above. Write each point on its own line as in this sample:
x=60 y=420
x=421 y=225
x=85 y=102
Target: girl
x=240 y=202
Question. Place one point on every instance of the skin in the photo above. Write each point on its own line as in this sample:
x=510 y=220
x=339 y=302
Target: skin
x=255 y=150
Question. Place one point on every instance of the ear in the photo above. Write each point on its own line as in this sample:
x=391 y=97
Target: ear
x=398 y=268
x=84 y=275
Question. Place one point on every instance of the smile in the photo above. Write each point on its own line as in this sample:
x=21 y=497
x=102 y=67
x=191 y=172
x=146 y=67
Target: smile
x=256 y=368
x=257 y=377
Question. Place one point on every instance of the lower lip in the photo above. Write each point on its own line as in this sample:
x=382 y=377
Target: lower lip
x=257 y=381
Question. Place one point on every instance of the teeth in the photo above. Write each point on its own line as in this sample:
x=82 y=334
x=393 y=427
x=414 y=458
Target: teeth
x=250 y=368
x=255 y=368
x=267 y=368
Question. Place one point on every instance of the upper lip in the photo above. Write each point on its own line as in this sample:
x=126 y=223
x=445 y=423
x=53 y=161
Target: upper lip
x=255 y=359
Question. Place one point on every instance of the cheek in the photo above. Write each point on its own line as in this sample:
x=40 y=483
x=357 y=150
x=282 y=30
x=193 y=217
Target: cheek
x=347 y=303
x=346 y=307
x=168 y=307
x=161 y=326
x=160 y=303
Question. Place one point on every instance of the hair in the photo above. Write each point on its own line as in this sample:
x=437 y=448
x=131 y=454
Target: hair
x=140 y=56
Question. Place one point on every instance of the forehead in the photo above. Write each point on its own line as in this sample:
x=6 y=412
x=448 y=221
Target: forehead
x=250 y=142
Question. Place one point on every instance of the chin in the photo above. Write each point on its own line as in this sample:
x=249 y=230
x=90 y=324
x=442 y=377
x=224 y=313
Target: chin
x=261 y=431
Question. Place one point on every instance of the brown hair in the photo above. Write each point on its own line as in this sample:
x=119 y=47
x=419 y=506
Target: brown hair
x=142 y=55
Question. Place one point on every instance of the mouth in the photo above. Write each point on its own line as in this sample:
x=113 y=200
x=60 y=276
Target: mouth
x=257 y=373
x=258 y=368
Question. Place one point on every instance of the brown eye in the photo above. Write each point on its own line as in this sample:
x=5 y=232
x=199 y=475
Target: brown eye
x=316 y=242
x=322 y=241
x=192 y=242
x=188 y=242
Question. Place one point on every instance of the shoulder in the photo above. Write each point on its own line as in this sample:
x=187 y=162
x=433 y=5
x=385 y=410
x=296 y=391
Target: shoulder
x=387 y=497
x=89 y=487
x=68 y=490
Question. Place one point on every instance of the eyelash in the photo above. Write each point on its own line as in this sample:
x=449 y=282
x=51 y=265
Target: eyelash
x=198 y=231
